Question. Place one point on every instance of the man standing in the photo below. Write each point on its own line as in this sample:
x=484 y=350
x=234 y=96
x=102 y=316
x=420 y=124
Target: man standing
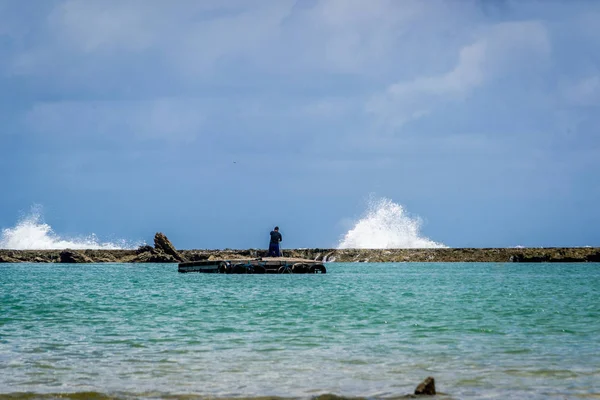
x=274 y=243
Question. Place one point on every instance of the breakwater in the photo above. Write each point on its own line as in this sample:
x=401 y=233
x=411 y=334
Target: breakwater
x=153 y=254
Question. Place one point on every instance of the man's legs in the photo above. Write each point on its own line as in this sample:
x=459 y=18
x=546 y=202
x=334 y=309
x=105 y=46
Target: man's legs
x=273 y=250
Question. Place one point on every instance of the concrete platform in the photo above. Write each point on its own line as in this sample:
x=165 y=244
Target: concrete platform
x=264 y=265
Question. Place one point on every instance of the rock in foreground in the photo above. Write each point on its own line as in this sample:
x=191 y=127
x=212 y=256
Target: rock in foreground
x=426 y=387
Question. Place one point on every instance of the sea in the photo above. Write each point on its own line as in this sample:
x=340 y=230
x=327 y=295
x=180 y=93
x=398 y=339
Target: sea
x=362 y=330
x=482 y=330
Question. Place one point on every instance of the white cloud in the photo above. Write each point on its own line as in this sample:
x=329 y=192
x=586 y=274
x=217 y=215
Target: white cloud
x=425 y=54
x=374 y=39
x=354 y=35
x=189 y=36
x=186 y=36
x=501 y=50
x=347 y=35
x=274 y=36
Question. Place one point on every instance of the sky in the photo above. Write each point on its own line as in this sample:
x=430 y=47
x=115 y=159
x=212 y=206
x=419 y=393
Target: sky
x=214 y=120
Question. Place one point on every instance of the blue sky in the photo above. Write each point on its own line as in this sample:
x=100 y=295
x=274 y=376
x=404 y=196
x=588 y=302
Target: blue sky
x=212 y=121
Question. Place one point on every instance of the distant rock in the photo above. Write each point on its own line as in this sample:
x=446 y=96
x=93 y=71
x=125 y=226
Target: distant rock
x=532 y=259
x=74 y=257
x=593 y=257
x=164 y=251
x=105 y=260
x=144 y=249
x=8 y=259
x=154 y=256
x=161 y=243
x=426 y=387
x=195 y=256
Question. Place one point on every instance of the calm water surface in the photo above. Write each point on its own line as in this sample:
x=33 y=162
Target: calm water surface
x=376 y=330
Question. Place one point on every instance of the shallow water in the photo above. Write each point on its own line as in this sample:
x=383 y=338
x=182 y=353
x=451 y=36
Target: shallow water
x=375 y=330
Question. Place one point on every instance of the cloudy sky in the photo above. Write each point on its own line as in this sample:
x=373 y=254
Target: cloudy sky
x=214 y=120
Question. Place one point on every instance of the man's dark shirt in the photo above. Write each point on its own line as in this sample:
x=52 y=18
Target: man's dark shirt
x=276 y=237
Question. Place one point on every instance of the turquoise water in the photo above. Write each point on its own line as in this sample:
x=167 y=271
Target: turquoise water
x=376 y=330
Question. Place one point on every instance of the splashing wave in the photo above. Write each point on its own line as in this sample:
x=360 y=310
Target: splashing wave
x=31 y=233
x=386 y=225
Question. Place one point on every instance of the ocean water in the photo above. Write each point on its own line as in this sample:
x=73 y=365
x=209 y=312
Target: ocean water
x=485 y=331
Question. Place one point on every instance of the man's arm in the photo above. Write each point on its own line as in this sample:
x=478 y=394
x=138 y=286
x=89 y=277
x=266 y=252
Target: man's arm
x=280 y=238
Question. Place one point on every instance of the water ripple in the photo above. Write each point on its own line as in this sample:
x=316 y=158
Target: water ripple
x=372 y=330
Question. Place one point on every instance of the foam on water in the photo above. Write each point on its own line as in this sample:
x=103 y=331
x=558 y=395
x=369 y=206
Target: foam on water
x=31 y=233
x=386 y=225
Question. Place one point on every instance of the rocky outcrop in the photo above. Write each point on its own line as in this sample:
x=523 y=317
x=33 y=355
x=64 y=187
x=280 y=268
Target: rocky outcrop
x=161 y=243
x=74 y=257
x=53 y=256
x=162 y=252
x=154 y=256
x=426 y=387
x=165 y=252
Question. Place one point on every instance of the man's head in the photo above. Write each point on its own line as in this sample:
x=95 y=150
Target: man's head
x=276 y=229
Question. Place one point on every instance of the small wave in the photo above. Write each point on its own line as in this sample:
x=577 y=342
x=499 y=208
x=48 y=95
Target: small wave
x=386 y=225
x=147 y=395
x=31 y=233
x=55 y=396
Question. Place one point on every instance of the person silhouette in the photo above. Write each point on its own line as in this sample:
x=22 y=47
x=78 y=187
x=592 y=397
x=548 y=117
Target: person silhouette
x=274 y=243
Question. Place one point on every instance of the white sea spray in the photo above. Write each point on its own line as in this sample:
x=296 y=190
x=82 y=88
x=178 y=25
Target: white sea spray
x=386 y=225
x=32 y=233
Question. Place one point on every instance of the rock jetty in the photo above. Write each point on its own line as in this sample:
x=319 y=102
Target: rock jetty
x=163 y=251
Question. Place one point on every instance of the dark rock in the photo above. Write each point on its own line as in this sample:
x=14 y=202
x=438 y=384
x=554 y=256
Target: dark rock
x=8 y=259
x=163 y=244
x=197 y=257
x=73 y=257
x=144 y=249
x=426 y=387
x=565 y=260
x=154 y=256
x=106 y=257
x=529 y=259
x=245 y=253
x=329 y=396
x=261 y=253
x=537 y=259
x=593 y=257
